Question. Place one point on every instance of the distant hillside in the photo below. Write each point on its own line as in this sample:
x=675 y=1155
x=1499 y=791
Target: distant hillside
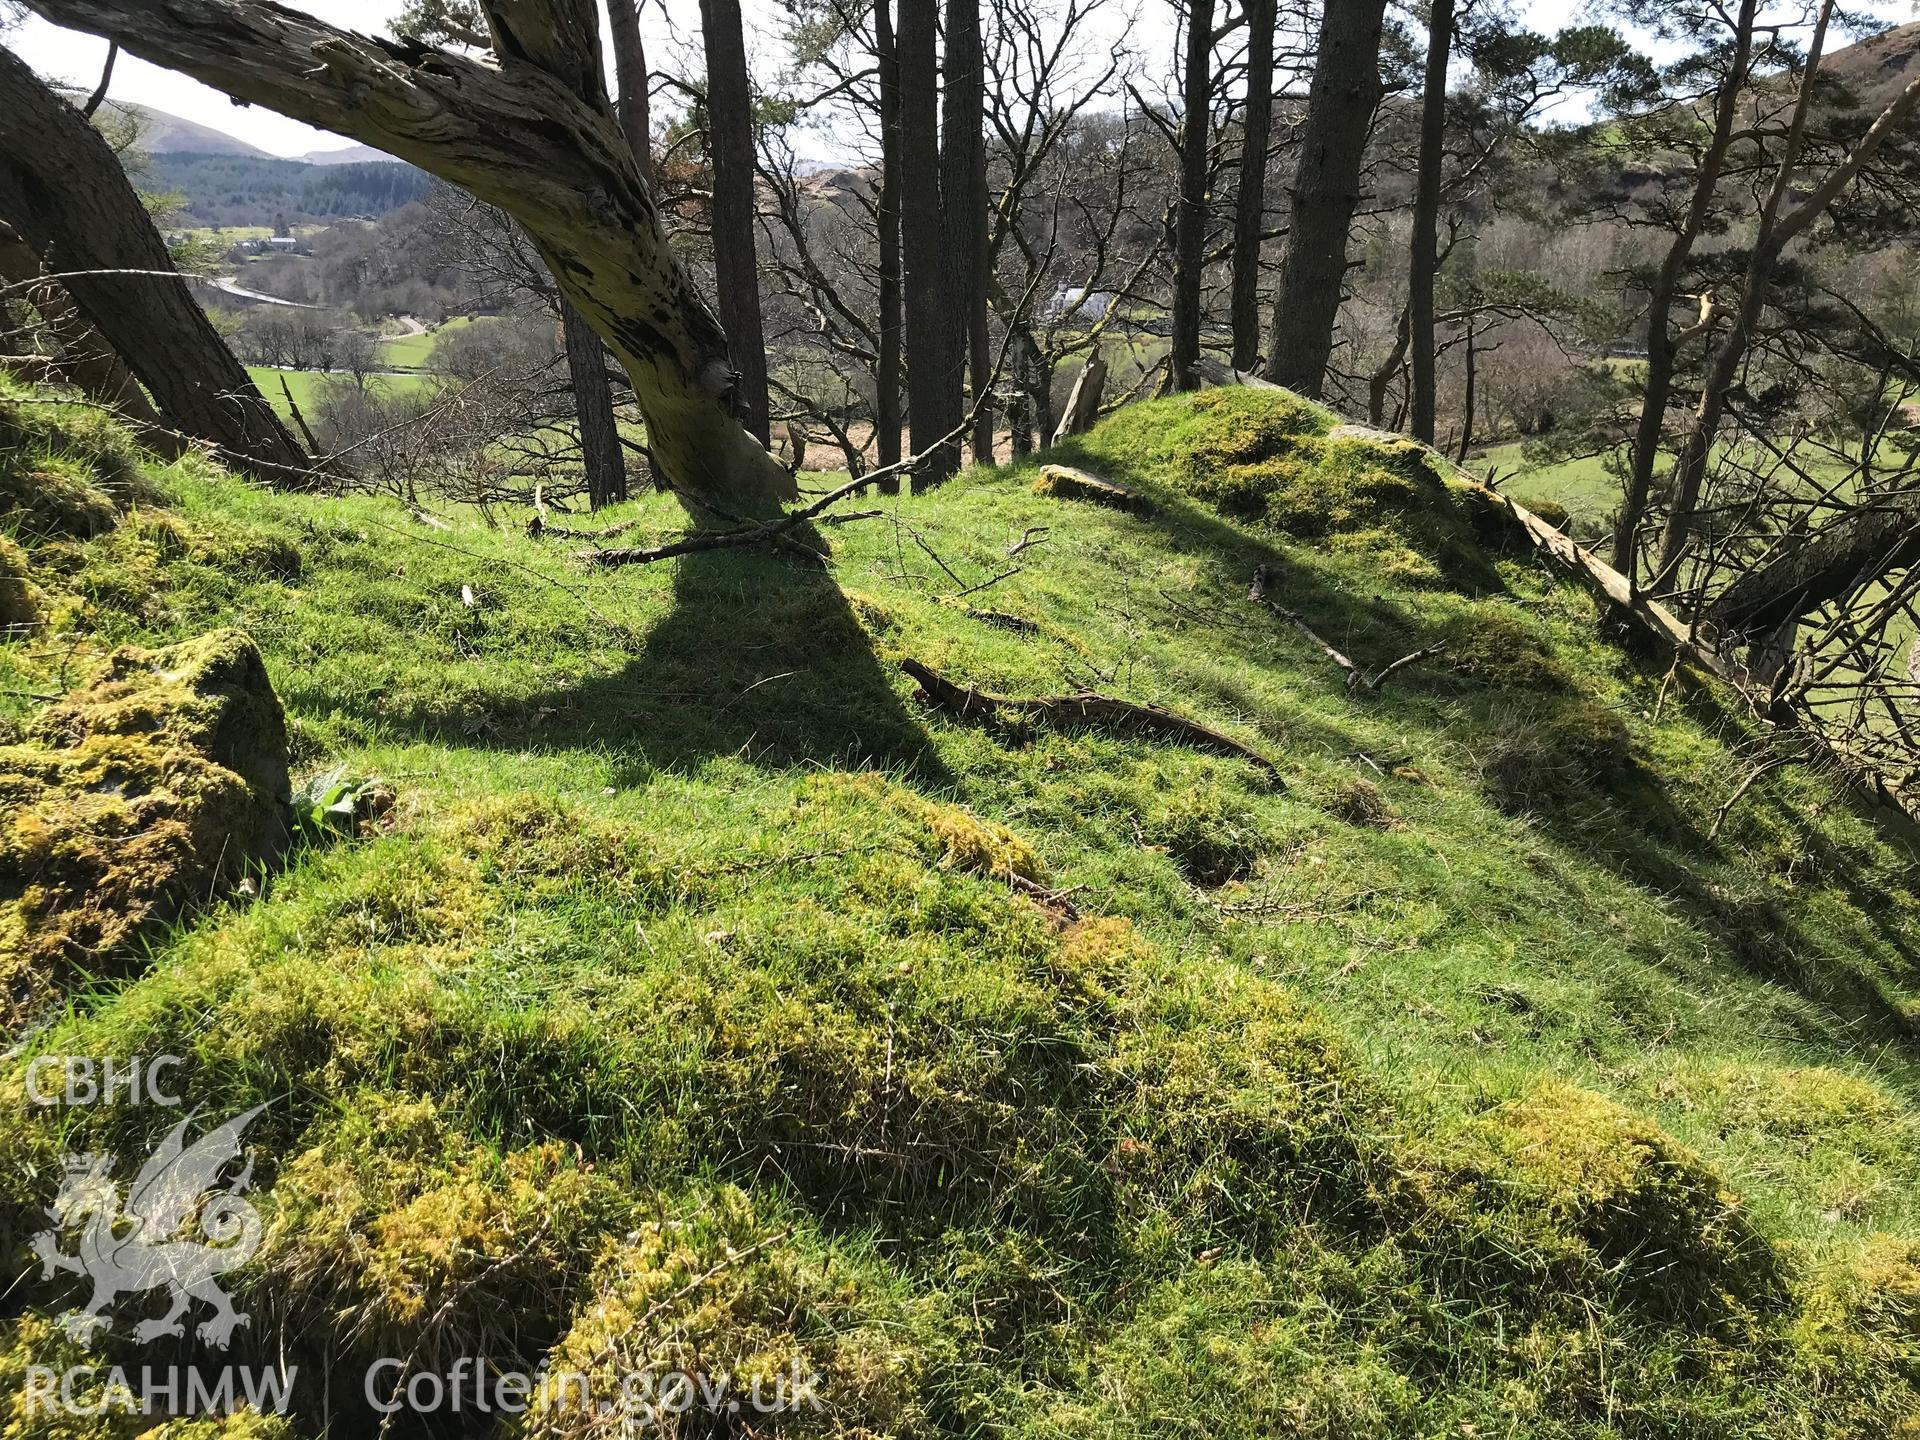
x=164 y=134
x=1878 y=68
x=260 y=190
x=350 y=155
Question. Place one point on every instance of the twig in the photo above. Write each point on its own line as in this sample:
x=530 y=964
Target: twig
x=1357 y=678
x=1764 y=768
x=1087 y=708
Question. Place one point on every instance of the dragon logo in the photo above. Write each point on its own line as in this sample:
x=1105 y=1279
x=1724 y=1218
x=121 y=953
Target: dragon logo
x=149 y=1244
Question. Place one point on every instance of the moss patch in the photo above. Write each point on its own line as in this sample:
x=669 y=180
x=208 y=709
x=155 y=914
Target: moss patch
x=159 y=784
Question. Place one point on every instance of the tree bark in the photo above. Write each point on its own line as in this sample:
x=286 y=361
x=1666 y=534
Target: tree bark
x=736 y=271
x=886 y=367
x=63 y=189
x=1190 y=215
x=606 y=463
x=963 y=186
x=85 y=359
x=1250 y=203
x=630 y=77
x=1658 y=387
x=933 y=402
x=533 y=133
x=1346 y=89
x=1426 y=217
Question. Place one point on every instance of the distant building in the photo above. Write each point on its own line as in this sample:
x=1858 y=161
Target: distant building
x=1083 y=304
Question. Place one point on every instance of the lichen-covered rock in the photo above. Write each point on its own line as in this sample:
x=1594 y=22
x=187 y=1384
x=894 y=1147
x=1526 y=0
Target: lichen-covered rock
x=159 y=785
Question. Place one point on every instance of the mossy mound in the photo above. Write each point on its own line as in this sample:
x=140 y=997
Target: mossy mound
x=65 y=469
x=1572 y=1188
x=159 y=784
x=1269 y=457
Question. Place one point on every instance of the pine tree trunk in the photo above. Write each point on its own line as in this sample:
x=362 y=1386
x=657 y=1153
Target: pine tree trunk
x=63 y=189
x=1250 y=208
x=1190 y=216
x=1326 y=189
x=933 y=401
x=736 y=272
x=1425 y=259
x=886 y=369
x=531 y=132
x=600 y=449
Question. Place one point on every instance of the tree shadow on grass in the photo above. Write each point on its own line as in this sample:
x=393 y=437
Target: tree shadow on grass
x=759 y=656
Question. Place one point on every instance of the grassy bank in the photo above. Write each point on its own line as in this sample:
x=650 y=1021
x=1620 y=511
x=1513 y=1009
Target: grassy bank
x=708 y=999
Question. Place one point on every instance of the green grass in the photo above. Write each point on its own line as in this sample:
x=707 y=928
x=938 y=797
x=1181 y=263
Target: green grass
x=1457 y=1085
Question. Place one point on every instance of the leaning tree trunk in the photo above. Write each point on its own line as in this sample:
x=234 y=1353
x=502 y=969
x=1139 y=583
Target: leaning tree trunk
x=1250 y=203
x=63 y=189
x=1657 y=387
x=83 y=357
x=1190 y=216
x=600 y=451
x=1326 y=188
x=1425 y=258
x=736 y=272
x=1882 y=536
x=531 y=132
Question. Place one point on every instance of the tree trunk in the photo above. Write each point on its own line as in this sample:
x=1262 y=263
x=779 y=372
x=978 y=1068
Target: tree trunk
x=886 y=368
x=1467 y=400
x=531 y=132
x=1658 y=388
x=1083 y=401
x=1776 y=231
x=631 y=77
x=1381 y=379
x=1250 y=203
x=63 y=189
x=933 y=402
x=84 y=360
x=1190 y=216
x=736 y=272
x=963 y=186
x=593 y=402
x=1831 y=565
x=1346 y=89
x=1426 y=217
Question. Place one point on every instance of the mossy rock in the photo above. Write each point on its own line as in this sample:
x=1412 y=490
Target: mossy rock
x=162 y=783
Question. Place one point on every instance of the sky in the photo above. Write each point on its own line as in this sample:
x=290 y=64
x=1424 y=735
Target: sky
x=67 y=56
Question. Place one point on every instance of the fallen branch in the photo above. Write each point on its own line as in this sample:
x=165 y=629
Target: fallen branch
x=1085 y=708
x=1357 y=678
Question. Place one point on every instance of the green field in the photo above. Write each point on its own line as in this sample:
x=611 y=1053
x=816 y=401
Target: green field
x=303 y=384
x=1417 y=1060
x=413 y=352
